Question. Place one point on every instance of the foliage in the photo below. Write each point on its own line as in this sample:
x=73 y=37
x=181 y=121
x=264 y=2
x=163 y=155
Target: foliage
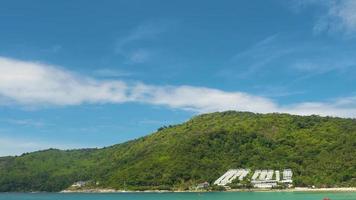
x=320 y=150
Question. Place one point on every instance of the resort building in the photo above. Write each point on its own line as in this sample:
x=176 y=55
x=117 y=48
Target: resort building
x=269 y=174
x=287 y=176
x=264 y=184
x=256 y=174
x=231 y=175
x=260 y=179
x=278 y=178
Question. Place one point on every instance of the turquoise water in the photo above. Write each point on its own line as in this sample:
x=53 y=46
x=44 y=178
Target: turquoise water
x=183 y=196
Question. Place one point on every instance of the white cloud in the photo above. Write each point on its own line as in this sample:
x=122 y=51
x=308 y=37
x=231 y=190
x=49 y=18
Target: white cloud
x=342 y=15
x=341 y=107
x=201 y=99
x=33 y=83
x=36 y=84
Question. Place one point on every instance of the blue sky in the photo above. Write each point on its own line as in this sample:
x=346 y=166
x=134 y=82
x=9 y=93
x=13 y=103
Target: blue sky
x=90 y=74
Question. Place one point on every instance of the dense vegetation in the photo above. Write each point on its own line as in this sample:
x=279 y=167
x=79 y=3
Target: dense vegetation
x=320 y=150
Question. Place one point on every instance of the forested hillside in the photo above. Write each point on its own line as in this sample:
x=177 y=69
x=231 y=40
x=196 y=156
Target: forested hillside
x=319 y=150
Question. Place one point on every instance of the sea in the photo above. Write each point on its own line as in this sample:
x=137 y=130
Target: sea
x=182 y=196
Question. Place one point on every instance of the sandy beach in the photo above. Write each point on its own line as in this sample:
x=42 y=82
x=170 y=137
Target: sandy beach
x=343 y=189
x=297 y=189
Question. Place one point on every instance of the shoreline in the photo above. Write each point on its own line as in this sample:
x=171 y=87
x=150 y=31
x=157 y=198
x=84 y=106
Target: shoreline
x=297 y=189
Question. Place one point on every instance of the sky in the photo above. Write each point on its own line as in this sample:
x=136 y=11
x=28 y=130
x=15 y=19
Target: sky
x=77 y=74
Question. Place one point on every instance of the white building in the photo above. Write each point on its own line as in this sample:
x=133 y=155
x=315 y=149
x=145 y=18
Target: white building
x=264 y=178
x=264 y=184
x=79 y=184
x=260 y=179
x=278 y=177
x=287 y=176
x=231 y=175
x=269 y=175
x=263 y=175
x=256 y=174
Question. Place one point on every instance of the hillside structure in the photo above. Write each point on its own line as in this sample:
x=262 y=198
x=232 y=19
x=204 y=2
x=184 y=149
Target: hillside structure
x=231 y=175
x=80 y=184
x=265 y=178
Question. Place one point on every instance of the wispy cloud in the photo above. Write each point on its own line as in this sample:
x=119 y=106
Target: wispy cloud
x=126 y=46
x=299 y=59
x=144 y=31
x=344 y=107
x=315 y=66
x=24 y=122
x=341 y=17
x=36 y=84
x=277 y=91
x=105 y=72
x=258 y=56
x=15 y=146
x=53 y=49
x=338 y=15
x=140 y=55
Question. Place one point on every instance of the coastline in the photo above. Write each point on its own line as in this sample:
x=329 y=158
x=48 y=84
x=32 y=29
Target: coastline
x=341 y=189
x=297 y=189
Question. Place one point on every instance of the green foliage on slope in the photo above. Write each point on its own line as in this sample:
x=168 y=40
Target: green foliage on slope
x=320 y=150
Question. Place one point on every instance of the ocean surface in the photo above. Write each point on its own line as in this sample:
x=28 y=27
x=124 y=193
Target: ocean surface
x=183 y=196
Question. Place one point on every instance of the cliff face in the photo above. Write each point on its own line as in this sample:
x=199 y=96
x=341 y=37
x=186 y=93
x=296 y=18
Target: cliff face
x=320 y=150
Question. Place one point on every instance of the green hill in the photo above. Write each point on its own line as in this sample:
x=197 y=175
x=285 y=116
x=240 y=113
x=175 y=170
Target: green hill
x=320 y=150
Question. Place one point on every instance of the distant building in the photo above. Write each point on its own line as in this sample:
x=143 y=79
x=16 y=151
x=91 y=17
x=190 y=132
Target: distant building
x=79 y=184
x=204 y=185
